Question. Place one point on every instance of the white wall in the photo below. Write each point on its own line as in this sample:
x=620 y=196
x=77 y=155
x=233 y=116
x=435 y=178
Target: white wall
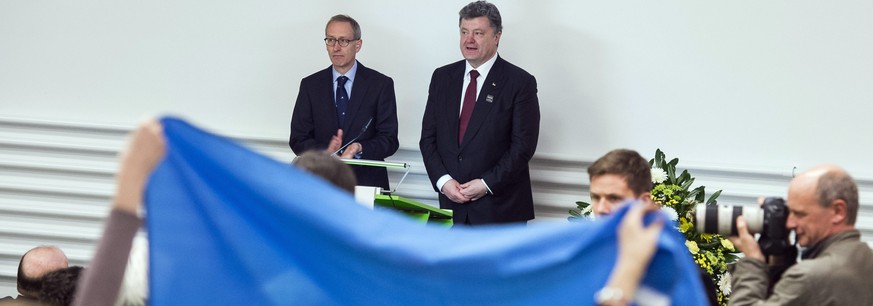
x=762 y=85
x=741 y=91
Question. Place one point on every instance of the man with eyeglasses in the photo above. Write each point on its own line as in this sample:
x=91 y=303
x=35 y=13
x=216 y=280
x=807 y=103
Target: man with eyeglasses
x=481 y=126
x=347 y=108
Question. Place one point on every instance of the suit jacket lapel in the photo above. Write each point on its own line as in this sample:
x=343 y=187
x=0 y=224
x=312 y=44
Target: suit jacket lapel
x=453 y=106
x=325 y=96
x=485 y=100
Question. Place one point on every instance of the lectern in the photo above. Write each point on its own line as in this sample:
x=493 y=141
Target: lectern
x=387 y=199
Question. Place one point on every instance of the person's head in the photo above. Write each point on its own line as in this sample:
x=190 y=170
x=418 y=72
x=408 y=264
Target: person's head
x=481 y=27
x=342 y=37
x=59 y=286
x=35 y=264
x=619 y=176
x=821 y=202
x=329 y=168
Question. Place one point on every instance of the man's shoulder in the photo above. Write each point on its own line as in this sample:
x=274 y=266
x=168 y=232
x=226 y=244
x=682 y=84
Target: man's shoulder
x=844 y=255
x=321 y=74
x=20 y=300
x=511 y=69
x=451 y=67
x=371 y=73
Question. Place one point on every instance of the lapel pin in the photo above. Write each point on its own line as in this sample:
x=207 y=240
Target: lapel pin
x=493 y=84
x=489 y=99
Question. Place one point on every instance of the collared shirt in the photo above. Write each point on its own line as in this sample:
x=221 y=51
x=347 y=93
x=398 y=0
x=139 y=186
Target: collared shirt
x=483 y=74
x=349 y=74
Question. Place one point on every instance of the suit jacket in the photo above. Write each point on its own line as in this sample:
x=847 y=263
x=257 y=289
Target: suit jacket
x=500 y=140
x=837 y=272
x=314 y=120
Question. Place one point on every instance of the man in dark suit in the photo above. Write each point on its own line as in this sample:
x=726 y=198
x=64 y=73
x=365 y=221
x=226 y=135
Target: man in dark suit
x=480 y=127
x=345 y=101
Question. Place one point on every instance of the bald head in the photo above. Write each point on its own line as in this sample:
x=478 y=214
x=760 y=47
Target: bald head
x=35 y=264
x=829 y=183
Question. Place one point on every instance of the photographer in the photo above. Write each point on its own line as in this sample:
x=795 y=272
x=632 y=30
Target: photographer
x=836 y=266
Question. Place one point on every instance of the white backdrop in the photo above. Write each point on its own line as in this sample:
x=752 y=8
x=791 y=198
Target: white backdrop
x=759 y=85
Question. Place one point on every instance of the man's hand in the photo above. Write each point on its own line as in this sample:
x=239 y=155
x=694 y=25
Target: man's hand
x=745 y=242
x=145 y=148
x=473 y=190
x=352 y=149
x=453 y=191
x=335 y=142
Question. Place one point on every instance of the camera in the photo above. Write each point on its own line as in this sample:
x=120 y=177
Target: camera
x=769 y=220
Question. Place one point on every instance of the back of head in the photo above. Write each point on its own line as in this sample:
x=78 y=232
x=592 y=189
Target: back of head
x=329 y=168
x=628 y=164
x=35 y=264
x=482 y=8
x=59 y=286
x=836 y=184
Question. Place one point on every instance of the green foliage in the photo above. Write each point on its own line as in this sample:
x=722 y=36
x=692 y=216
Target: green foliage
x=581 y=212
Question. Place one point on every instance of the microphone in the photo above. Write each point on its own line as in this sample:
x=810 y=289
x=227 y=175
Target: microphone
x=366 y=125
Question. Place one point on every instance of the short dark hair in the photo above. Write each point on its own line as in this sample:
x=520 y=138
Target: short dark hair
x=482 y=8
x=838 y=185
x=345 y=18
x=327 y=167
x=628 y=164
x=59 y=286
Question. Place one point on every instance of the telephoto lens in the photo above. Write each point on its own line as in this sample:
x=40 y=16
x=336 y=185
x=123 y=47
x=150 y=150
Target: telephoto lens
x=722 y=219
x=769 y=220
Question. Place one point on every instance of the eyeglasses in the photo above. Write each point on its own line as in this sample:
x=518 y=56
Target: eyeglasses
x=330 y=41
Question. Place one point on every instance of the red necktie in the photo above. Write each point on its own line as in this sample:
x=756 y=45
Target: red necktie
x=469 y=103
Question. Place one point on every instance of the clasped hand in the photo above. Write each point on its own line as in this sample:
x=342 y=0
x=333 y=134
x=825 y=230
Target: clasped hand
x=466 y=192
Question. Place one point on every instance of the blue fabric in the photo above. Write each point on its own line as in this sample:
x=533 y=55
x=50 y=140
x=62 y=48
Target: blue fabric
x=230 y=227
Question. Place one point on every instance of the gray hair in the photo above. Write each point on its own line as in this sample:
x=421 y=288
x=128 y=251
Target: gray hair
x=838 y=185
x=345 y=18
x=482 y=8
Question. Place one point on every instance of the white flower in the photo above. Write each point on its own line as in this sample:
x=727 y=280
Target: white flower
x=587 y=211
x=658 y=175
x=670 y=212
x=725 y=284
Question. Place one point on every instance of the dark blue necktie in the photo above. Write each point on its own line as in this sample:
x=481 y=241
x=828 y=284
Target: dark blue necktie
x=342 y=99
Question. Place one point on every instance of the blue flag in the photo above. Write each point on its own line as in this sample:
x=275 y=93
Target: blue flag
x=228 y=226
